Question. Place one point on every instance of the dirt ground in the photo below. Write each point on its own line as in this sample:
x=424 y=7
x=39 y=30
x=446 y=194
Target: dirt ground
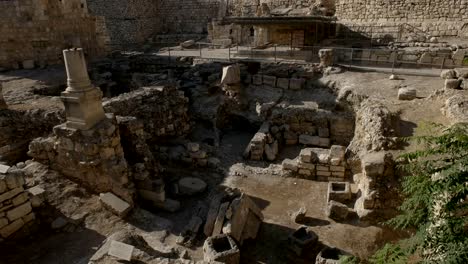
x=275 y=195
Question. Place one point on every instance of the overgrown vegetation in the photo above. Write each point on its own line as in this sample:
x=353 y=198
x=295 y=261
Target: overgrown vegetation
x=435 y=202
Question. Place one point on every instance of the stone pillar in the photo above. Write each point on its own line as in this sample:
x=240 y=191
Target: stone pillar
x=82 y=100
x=326 y=57
x=3 y=104
x=231 y=80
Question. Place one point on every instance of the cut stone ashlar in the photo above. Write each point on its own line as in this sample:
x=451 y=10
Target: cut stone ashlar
x=339 y=191
x=221 y=248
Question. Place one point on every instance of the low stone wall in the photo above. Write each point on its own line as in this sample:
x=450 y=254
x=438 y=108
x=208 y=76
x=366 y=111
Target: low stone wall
x=319 y=164
x=18 y=128
x=164 y=110
x=16 y=214
x=93 y=157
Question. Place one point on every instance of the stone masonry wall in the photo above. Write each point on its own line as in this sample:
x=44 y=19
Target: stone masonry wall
x=133 y=22
x=15 y=205
x=164 y=110
x=38 y=31
x=436 y=17
x=18 y=128
x=93 y=157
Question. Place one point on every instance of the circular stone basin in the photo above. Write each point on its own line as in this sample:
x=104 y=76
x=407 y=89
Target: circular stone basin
x=191 y=186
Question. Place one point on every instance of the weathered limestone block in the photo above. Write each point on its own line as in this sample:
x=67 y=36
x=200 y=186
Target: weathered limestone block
x=3 y=104
x=282 y=83
x=339 y=191
x=82 y=100
x=221 y=248
x=121 y=250
x=257 y=79
x=231 y=79
x=302 y=240
x=448 y=74
x=115 y=204
x=326 y=57
x=406 y=94
x=296 y=83
x=337 y=211
x=11 y=228
x=373 y=164
x=452 y=83
x=289 y=164
x=271 y=150
x=269 y=81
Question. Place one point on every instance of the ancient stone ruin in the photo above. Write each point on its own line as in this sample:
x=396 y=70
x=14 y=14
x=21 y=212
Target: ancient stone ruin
x=216 y=131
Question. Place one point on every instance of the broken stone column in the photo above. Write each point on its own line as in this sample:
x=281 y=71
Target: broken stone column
x=82 y=100
x=3 y=104
x=326 y=57
x=231 y=80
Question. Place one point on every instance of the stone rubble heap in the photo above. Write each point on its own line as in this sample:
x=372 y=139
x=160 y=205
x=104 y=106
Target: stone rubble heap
x=455 y=79
x=15 y=204
x=319 y=164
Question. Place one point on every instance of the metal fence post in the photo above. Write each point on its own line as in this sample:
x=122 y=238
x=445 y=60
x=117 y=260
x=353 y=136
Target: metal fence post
x=275 y=52
x=443 y=63
x=229 y=53
x=199 y=47
x=394 y=61
x=169 y=51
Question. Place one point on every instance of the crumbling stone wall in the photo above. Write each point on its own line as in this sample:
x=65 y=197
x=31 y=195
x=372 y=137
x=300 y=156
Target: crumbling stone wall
x=437 y=17
x=15 y=205
x=18 y=128
x=37 y=32
x=249 y=7
x=164 y=110
x=93 y=157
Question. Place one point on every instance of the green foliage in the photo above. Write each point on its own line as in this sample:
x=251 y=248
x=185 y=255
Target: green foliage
x=390 y=254
x=435 y=203
x=349 y=260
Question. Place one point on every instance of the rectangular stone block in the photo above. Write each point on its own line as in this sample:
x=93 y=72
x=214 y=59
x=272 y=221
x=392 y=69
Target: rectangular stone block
x=323 y=168
x=337 y=168
x=305 y=155
x=307 y=166
x=296 y=83
x=19 y=211
x=323 y=132
x=11 y=228
x=289 y=164
x=115 y=204
x=10 y=194
x=309 y=140
x=324 y=142
x=269 y=81
x=4 y=168
x=121 y=250
x=257 y=79
x=20 y=199
x=324 y=173
x=338 y=174
x=282 y=83
x=305 y=172
x=3 y=222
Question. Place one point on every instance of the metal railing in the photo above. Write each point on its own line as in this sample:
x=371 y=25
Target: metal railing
x=375 y=58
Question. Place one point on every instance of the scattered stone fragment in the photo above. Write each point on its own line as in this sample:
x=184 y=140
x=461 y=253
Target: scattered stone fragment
x=115 y=204
x=121 y=250
x=406 y=94
x=337 y=211
x=300 y=215
x=452 y=83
